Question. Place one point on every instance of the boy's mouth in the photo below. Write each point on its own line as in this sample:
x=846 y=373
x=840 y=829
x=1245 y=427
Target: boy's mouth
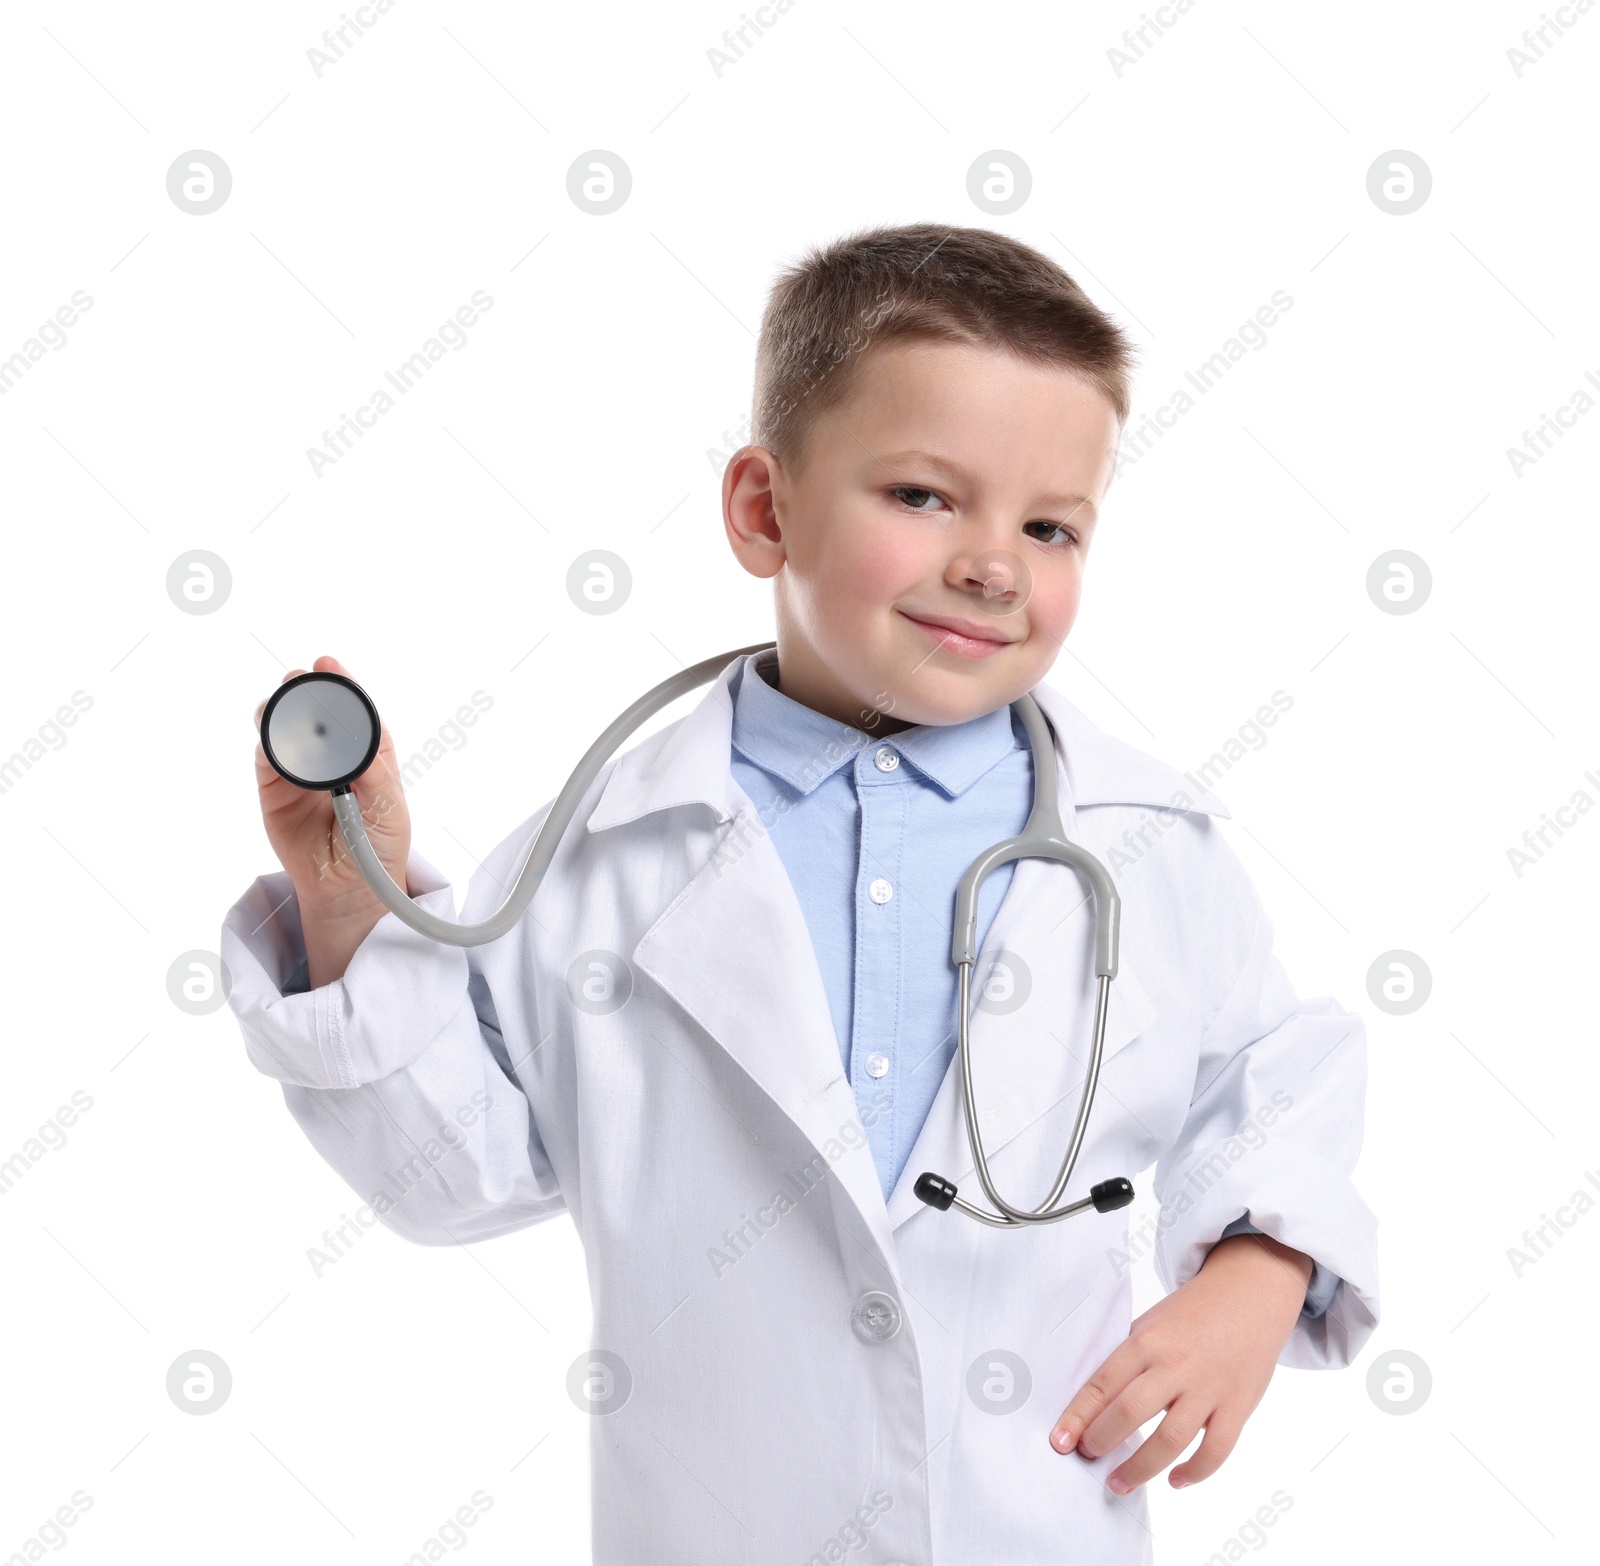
x=965 y=638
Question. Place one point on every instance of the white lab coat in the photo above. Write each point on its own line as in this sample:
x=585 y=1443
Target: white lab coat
x=760 y=1425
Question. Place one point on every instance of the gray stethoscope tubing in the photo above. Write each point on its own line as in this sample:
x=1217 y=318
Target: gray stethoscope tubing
x=348 y=814
x=322 y=731
x=1042 y=837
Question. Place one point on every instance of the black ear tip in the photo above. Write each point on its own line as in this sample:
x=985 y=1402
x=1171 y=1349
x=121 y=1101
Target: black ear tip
x=1109 y=1195
x=935 y=1190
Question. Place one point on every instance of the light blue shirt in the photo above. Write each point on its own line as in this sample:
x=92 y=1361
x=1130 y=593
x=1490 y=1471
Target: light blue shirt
x=874 y=834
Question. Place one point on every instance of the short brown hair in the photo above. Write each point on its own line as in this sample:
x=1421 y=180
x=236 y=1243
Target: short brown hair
x=920 y=281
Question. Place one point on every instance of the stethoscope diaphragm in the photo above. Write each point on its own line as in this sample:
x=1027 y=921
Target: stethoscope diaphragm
x=320 y=731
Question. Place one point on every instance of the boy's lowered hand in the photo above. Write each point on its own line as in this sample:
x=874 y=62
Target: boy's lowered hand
x=1205 y=1353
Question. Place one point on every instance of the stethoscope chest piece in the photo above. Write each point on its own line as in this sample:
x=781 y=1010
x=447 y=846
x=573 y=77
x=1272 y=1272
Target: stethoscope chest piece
x=320 y=731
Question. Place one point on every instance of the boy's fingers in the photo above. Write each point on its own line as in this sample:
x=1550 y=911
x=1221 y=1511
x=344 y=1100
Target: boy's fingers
x=1093 y=1397
x=377 y=774
x=1164 y=1445
x=378 y=787
x=1141 y=1400
x=1221 y=1436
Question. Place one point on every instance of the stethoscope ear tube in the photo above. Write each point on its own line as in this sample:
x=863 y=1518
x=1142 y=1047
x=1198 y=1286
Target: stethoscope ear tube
x=1043 y=837
x=1107 y=1196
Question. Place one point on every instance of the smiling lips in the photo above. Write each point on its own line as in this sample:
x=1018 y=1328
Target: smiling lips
x=965 y=638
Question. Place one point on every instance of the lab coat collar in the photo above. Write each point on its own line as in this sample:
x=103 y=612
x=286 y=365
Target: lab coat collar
x=688 y=764
x=1099 y=769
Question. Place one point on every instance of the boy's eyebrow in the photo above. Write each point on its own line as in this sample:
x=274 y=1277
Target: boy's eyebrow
x=1077 y=502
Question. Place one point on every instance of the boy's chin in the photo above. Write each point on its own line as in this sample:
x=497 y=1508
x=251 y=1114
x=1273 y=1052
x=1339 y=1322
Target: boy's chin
x=941 y=702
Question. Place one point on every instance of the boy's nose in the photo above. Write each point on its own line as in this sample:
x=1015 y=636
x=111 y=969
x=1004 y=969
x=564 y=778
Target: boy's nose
x=1003 y=576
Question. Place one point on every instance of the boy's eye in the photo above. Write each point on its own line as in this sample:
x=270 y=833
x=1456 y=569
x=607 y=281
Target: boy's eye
x=915 y=498
x=910 y=495
x=1054 y=532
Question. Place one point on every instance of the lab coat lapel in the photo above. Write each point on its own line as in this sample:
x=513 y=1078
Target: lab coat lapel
x=734 y=952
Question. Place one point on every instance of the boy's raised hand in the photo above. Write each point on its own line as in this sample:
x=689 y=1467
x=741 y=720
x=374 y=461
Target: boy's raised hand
x=337 y=908
x=1204 y=1353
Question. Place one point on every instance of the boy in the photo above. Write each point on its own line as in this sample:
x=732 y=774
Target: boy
x=723 y=1040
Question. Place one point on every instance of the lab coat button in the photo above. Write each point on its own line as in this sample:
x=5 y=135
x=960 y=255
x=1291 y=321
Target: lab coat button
x=876 y=1317
x=880 y=891
x=877 y=1064
x=886 y=760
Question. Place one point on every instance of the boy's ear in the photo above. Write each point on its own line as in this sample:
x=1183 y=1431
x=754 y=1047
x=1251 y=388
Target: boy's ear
x=749 y=512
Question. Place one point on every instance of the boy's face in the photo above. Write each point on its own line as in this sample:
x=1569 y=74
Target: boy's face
x=929 y=554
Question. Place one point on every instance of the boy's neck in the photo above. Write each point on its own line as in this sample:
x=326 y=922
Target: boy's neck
x=866 y=719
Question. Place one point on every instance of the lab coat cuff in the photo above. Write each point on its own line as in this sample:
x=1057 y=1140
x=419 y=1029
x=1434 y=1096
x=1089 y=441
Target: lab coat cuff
x=362 y=1026
x=1303 y=1202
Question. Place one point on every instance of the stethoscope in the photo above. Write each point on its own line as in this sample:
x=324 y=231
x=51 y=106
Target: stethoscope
x=322 y=731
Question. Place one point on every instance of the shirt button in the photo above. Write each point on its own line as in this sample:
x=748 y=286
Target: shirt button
x=880 y=891
x=877 y=1064
x=876 y=1317
x=886 y=760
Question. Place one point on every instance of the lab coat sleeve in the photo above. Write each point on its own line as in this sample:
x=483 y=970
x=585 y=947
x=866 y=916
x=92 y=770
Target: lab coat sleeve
x=1272 y=1135
x=396 y=1071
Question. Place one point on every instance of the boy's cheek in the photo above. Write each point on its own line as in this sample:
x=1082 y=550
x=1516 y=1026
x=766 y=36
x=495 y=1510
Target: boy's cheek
x=869 y=566
x=852 y=591
x=1053 y=608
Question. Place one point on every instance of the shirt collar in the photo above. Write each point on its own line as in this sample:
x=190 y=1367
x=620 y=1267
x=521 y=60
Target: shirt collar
x=802 y=747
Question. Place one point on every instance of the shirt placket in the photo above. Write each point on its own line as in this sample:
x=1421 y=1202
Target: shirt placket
x=875 y=1064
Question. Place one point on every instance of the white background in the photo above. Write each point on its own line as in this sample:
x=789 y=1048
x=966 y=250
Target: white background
x=1228 y=162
